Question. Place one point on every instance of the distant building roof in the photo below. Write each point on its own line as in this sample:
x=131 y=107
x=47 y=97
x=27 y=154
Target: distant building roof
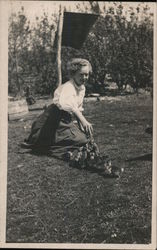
x=76 y=27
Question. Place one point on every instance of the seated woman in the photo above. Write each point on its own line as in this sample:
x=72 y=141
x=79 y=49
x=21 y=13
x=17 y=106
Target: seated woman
x=55 y=126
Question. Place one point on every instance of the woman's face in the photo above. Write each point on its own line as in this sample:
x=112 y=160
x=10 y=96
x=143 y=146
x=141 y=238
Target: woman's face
x=81 y=76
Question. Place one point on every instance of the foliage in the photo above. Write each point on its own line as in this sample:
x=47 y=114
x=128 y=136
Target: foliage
x=19 y=33
x=122 y=47
x=118 y=44
x=31 y=55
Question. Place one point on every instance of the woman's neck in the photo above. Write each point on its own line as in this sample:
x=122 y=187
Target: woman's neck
x=78 y=88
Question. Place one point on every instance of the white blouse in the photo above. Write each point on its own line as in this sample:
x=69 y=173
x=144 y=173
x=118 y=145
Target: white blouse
x=69 y=97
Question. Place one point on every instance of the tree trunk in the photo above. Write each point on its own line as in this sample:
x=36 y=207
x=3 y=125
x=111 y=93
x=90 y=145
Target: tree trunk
x=59 y=46
x=17 y=76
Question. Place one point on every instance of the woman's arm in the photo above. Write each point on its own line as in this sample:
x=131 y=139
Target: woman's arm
x=86 y=125
x=66 y=100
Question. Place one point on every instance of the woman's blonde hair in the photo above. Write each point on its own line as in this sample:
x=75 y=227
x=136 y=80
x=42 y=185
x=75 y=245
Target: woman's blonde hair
x=76 y=63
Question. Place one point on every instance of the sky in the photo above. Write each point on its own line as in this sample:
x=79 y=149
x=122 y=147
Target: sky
x=37 y=8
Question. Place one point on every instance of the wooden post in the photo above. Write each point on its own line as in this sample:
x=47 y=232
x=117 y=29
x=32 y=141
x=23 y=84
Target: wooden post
x=59 y=45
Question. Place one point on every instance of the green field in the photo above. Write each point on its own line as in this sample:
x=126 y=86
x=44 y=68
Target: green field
x=50 y=202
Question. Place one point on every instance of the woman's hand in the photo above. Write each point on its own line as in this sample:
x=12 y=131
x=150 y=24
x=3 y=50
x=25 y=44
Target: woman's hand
x=87 y=127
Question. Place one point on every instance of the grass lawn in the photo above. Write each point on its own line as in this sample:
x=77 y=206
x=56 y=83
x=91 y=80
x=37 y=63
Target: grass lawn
x=50 y=202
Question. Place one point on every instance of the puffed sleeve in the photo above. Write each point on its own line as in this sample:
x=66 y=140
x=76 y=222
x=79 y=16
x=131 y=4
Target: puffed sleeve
x=67 y=99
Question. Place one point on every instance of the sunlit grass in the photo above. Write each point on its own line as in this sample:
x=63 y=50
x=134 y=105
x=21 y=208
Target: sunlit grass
x=48 y=201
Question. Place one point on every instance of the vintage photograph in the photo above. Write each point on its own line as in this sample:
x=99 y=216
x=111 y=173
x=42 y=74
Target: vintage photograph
x=80 y=122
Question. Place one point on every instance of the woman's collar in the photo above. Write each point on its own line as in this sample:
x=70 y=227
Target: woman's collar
x=78 y=88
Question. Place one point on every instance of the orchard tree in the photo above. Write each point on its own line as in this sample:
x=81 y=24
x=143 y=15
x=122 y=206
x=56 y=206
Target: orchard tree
x=120 y=43
x=18 y=42
x=43 y=54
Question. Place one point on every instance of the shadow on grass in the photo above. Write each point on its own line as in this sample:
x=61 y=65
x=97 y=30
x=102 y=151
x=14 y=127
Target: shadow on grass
x=146 y=157
x=60 y=156
x=98 y=171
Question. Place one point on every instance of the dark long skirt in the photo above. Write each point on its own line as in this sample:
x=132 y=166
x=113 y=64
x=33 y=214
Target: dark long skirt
x=55 y=127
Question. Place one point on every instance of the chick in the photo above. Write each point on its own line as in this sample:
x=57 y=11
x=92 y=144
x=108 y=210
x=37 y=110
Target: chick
x=117 y=171
x=68 y=156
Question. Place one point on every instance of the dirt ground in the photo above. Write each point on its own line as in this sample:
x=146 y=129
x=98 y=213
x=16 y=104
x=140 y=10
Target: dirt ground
x=50 y=202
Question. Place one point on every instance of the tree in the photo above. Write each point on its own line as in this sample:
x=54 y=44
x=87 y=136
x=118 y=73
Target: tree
x=118 y=44
x=19 y=32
